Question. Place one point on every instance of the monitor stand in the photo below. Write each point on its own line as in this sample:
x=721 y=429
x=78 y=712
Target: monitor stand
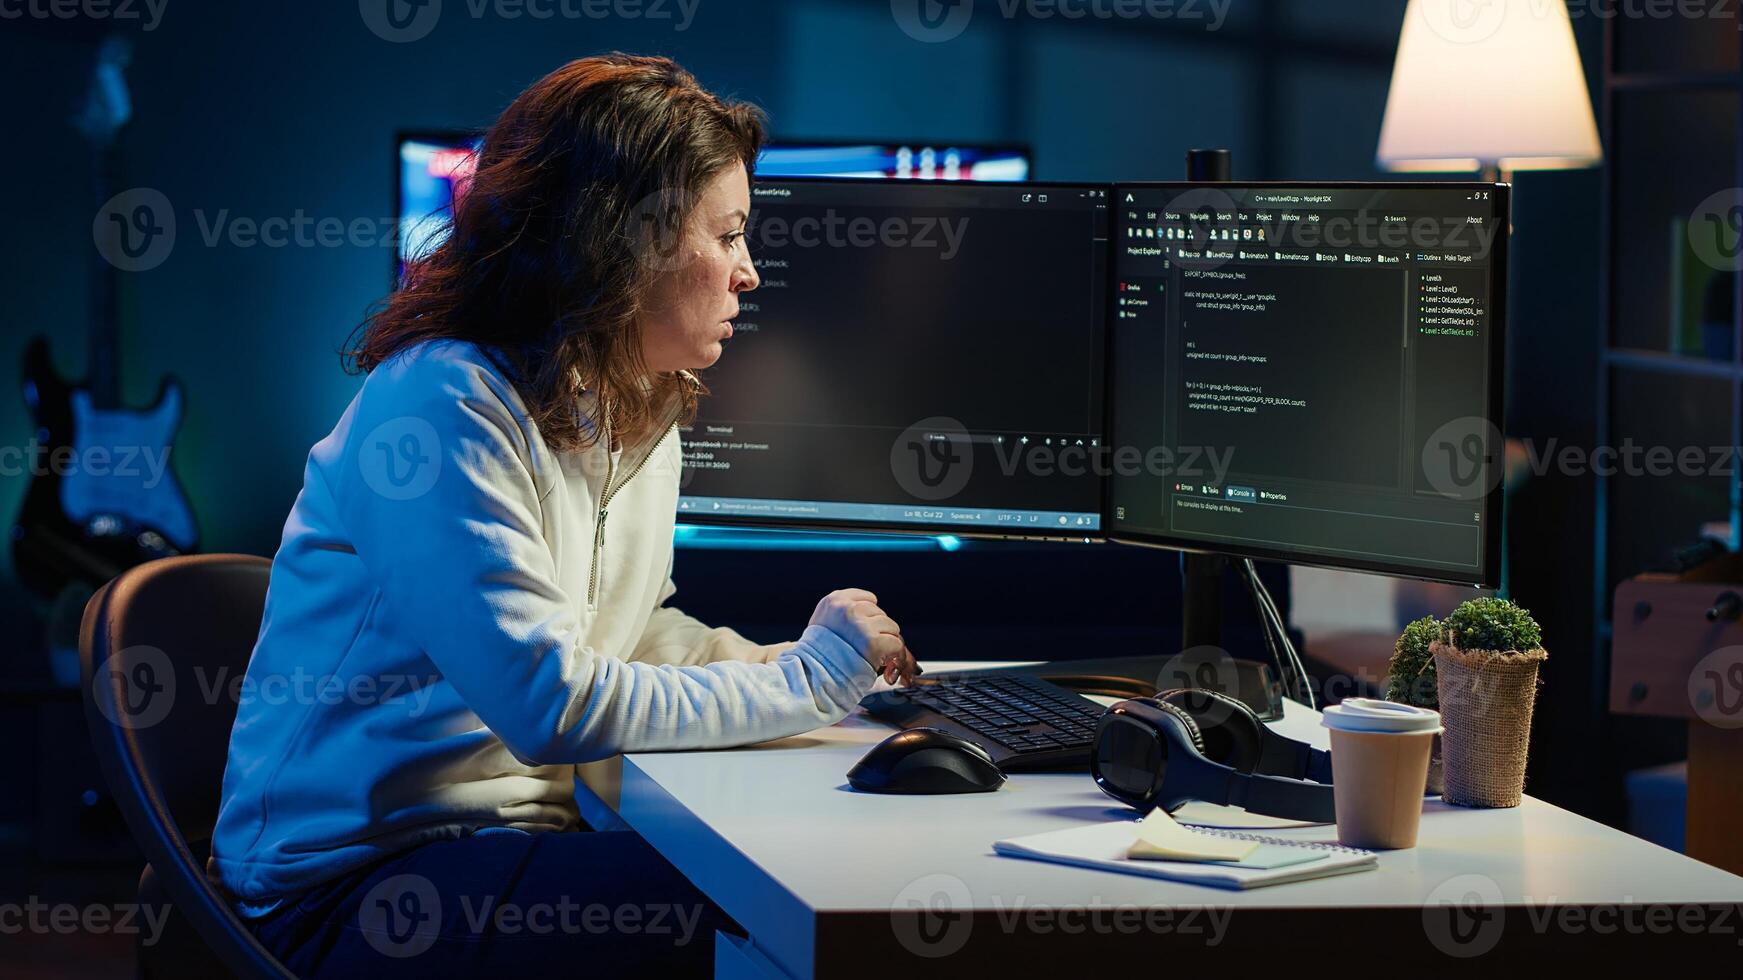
x=1201 y=575
x=1201 y=599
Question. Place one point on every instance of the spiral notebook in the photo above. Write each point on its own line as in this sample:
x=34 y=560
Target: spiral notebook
x=1103 y=846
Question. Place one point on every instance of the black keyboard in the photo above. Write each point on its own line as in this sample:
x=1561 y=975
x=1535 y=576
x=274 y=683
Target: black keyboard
x=1026 y=724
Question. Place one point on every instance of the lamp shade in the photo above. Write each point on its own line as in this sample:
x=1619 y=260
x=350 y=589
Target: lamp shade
x=1488 y=83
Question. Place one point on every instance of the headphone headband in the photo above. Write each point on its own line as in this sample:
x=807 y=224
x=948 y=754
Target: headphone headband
x=1152 y=752
x=1234 y=736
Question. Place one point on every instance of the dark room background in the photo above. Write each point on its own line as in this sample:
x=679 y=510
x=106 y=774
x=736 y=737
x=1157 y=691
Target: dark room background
x=274 y=108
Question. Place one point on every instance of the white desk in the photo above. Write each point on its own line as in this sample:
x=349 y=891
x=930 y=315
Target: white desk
x=829 y=882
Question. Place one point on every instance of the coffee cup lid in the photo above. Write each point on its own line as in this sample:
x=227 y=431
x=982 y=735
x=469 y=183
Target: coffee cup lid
x=1371 y=715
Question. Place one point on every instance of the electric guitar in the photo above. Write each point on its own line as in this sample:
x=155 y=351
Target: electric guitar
x=102 y=496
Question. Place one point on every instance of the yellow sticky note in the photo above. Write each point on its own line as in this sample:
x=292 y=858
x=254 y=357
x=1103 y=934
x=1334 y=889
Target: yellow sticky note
x=1161 y=839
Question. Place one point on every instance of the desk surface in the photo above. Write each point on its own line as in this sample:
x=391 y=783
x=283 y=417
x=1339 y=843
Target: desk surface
x=776 y=837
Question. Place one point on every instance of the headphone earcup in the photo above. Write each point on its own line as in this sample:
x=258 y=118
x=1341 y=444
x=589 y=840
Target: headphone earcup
x=1193 y=734
x=1229 y=731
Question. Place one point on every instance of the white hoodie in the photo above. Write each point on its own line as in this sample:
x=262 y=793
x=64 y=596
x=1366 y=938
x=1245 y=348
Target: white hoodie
x=454 y=623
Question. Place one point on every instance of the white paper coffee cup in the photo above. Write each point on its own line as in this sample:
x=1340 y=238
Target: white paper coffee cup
x=1371 y=715
x=1379 y=753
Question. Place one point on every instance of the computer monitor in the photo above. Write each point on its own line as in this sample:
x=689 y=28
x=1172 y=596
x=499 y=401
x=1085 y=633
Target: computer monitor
x=432 y=167
x=921 y=356
x=919 y=161
x=1311 y=373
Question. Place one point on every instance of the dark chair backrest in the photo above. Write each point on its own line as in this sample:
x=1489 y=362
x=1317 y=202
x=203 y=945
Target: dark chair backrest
x=162 y=648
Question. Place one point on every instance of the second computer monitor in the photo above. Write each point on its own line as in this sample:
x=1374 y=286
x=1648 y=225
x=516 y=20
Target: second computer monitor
x=916 y=161
x=920 y=356
x=1311 y=373
x=434 y=167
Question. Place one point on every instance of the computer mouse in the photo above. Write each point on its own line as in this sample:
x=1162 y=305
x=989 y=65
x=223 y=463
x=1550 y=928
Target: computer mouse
x=925 y=761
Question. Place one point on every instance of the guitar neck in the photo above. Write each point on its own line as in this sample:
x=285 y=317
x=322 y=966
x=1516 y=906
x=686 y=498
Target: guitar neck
x=103 y=375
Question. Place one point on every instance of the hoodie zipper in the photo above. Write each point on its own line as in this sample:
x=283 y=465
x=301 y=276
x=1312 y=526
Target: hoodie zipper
x=605 y=496
x=610 y=491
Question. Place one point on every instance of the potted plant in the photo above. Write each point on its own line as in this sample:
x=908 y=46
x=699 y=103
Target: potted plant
x=1486 y=662
x=1411 y=680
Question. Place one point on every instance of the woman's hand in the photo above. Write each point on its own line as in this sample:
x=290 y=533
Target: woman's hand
x=853 y=614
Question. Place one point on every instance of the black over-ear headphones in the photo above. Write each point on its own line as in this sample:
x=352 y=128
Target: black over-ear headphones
x=1234 y=736
x=1191 y=744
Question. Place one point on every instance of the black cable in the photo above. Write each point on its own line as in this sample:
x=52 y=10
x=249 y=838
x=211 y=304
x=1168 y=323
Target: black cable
x=1294 y=655
x=1289 y=645
x=1273 y=620
x=1288 y=676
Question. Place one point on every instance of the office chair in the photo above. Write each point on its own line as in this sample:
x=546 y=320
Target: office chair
x=153 y=643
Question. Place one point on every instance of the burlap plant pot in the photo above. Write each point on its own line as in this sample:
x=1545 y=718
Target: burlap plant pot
x=1486 y=697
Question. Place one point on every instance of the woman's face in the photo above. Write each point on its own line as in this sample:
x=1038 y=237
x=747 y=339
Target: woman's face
x=690 y=305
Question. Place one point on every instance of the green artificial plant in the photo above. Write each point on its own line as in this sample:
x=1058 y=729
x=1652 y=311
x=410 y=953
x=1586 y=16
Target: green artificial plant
x=1411 y=678
x=1492 y=624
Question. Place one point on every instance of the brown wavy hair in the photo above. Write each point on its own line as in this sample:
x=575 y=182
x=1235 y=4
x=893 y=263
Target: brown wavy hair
x=548 y=255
